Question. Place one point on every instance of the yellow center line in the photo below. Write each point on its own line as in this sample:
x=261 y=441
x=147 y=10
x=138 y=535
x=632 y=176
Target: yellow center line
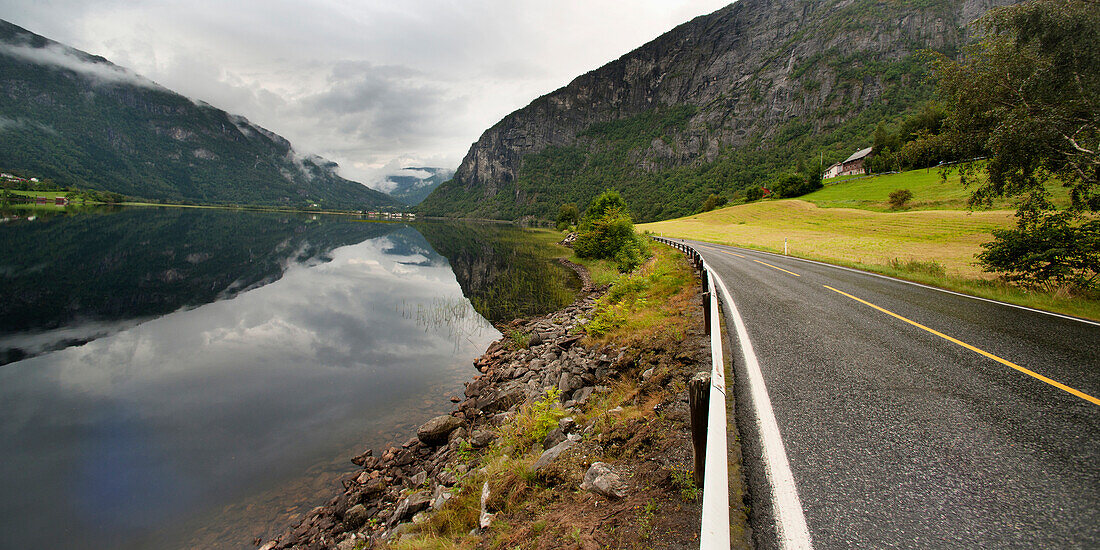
x=779 y=268
x=1005 y=362
x=730 y=253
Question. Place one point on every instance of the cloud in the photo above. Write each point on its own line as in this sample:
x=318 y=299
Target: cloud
x=371 y=84
x=59 y=56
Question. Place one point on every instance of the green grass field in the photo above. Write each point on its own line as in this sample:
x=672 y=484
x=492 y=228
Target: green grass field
x=931 y=191
x=848 y=224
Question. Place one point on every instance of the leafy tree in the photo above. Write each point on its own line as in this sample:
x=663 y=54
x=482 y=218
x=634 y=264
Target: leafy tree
x=601 y=205
x=568 y=215
x=714 y=201
x=607 y=232
x=1046 y=249
x=753 y=193
x=1028 y=97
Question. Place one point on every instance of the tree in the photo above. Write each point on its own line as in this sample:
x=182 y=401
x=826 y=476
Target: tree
x=1027 y=95
x=1046 y=249
x=568 y=215
x=607 y=232
x=714 y=201
x=607 y=200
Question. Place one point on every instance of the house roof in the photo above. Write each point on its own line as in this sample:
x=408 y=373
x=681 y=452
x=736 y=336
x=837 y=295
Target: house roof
x=859 y=154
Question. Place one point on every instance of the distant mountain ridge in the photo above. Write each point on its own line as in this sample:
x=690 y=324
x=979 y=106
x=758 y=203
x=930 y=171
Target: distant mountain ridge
x=713 y=106
x=413 y=188
x=82 y=121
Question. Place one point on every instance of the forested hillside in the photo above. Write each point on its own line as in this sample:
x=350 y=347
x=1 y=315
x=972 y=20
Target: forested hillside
x=718 y=104
x=82 y=121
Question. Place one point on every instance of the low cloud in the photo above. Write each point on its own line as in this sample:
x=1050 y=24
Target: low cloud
x=61 y=57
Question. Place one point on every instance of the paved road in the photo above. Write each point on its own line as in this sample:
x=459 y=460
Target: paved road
x=897 y=437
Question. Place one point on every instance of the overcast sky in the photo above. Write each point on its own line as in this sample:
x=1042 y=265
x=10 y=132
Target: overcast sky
x=374 y=85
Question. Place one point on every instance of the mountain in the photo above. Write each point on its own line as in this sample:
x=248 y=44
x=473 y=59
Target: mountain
x=715 y=105
x=416 y=183
x=82 y=121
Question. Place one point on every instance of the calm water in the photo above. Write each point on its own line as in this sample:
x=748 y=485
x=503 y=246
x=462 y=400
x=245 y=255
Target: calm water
x=182 y=378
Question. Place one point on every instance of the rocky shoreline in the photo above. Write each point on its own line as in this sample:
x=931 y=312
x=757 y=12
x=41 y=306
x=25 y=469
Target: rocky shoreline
x=397 y=487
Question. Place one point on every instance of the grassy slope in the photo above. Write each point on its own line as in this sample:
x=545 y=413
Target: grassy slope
x=911 y=244
x=930 y=192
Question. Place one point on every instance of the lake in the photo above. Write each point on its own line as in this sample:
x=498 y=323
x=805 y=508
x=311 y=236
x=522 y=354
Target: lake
x=179 y=378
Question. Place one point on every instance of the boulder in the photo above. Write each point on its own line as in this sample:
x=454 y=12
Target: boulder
x=550 y=455
x=601 y=480
x=356 y=516
x=557 y=435
x=481 y=438
x=436 y=430
x=410 y=506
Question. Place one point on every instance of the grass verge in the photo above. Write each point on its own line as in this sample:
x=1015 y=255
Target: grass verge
x=936 y=248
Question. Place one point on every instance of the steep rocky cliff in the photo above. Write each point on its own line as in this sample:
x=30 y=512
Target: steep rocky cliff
x=82 y=121
x=710 y=107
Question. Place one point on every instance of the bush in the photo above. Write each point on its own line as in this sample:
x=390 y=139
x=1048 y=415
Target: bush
x=899 y=198
x=1046 y=249
x=607 y=232
x=795 y=185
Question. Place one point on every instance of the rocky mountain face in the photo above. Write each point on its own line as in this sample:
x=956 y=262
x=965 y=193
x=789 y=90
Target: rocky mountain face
x=82 y=121
x=415 y=184
x=745 y=90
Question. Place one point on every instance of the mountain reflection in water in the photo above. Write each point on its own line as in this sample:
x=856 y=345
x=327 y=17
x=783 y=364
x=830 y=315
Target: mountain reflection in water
x=281 y=346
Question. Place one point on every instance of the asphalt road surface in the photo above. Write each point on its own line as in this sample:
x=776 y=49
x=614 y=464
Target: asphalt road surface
x=905 y=413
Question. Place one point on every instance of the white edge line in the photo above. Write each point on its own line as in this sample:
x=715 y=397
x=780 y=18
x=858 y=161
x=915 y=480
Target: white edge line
x=888 y=278
x=714 y=528
x=790 y=520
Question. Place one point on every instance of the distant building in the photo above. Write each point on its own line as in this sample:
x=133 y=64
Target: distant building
x=854 y=164
x=833 y=171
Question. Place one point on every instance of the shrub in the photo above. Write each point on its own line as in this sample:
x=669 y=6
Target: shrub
x=1046 y=249
x=607 y=232
x=899 y=198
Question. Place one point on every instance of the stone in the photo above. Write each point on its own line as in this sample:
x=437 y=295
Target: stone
x=535 y=339
x=356 y=516
x=553 y=438
x=410 y=506
x=647 y=374
x=580 y=397
x=481 y=438
x=362 y=459
x=436 y=430
x=601 y=480
x=418 y=479
x=550 y=455
x=485 y=519
x=567 y=424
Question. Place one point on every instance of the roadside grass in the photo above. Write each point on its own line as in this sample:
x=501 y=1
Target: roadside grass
x=933 y=247
x=529 y=507
x=930 y=192
x=642 y=304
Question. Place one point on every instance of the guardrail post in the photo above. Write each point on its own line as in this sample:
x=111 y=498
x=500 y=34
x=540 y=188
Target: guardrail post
x=699 y=405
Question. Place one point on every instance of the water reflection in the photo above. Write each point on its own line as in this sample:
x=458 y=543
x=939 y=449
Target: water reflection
x=111 y=443
x=68 y=279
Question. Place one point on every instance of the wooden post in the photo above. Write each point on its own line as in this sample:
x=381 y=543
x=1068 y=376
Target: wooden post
x=706 y=312
x=699 y=405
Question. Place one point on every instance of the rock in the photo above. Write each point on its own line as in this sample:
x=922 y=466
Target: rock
x=441 y=498
x=647 y=374
x=485 y=519
x=550 y=455
x=601 y=480
x=411 y=505
x=418 y=479
x=535 y=339
x=447 y=478
x=436 y=430
x=481 y=438
x=553 y=438
x=356 y=516
x=567 y=424
x=269 y=546
x=362 y=459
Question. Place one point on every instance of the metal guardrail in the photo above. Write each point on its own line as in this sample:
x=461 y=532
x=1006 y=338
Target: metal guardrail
x=714 y=531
